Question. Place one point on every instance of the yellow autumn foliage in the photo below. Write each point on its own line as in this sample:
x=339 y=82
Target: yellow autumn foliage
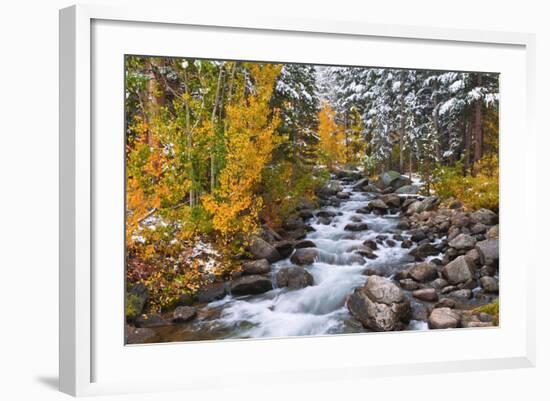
x=331 y=137
x=235 y=205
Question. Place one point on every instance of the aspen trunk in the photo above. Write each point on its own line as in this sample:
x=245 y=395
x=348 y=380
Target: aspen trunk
x=217 y=101
x=477 y=129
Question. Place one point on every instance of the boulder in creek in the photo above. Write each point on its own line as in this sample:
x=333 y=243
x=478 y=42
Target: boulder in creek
x=478 y=228
x=426 y=294
x=460 y=220
x=153 y=320
x=393 y=179
x=489 y=284
x=305 y=214
x=379 y=205
x=408 y=190
x=140 y=335
x=428 y=204
x=284 y=248
x=474 y=255
x=325 y=213
x=391 y=200
x=183 y=314
x=380 y=305
x=488 y=252
x=463 y=242
x=260 y=266
x=445 y=303
x=305 y=243
x=461 y=295
x=443 y=318
x=261 y=249
x=423 y=250
x=407 y=243
x=484 y=216
x=363 y=251
x=343 y=195
x=403 y=224
x=136 y=297
x=297 y=234
x=439 y=283
x=304 y=256
x=409 y=284
x=417 y=235
x=294 y=277
x=356 y=227
x=361 y=183
x=331 y=188
x=371 y=244
x=211 y=292
x=492 y=233
x=459 y=270
x=423 y=272
x=250 y=285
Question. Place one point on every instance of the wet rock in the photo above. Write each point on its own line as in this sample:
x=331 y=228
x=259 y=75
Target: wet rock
x=393 y=180
x=356 y=218
x=423 y=272
x=294 y=277
x=365 y=251
x=284 y=248
x=140 y=335
x=426 y=294
x=261 y=266
x=408 y=189
x=487 y=271
x=269 y=235
x=391 y=200
x=148 y=321
x=463 y=242
x=295 y=235
x=489 y=284
x=459 y=270
x=461 y=295
x=306 y=243
x=492 y=233
x=380 y=305
x=304 y=256
x=403 y=225
x=409 y=284
x=211 y=292
x=343 y=195
x=356 y=227
x=419 y=311
x=474 y=255
x=478 y=228
x=468 y=285
x=305 y=214
x=445 y=303
x=326 y=213
x=439 y=283
x=331 y=188
x=260 y=249
x=407 y=243
x=372 y=272
x=488 y=252
x=460 y=220
x=484 y=216
x=184 y=314
x=250 y=285
x=424 y=250
x=443 y=318
x=324 y=221
x=371 y=244
x=398 y=237
x=360 y=184
x=448 y=289
x=378 y=204
x=417 y=235
x=390 y=243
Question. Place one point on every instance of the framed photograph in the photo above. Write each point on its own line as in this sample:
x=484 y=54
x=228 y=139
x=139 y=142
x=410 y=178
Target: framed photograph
x=294 y=199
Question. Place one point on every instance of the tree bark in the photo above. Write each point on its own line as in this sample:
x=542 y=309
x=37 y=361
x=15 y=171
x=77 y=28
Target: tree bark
x=467 y=146
x=402 y=128
x=217 y=101
x=477 y=128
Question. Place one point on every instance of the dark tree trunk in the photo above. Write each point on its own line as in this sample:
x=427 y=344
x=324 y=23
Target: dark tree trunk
x=477 y=128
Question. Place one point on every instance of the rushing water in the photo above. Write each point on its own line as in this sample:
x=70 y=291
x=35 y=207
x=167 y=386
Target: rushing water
x=315 y=310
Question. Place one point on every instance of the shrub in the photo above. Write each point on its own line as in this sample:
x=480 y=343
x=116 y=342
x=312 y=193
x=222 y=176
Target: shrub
x=477 y=191
x=492 y=309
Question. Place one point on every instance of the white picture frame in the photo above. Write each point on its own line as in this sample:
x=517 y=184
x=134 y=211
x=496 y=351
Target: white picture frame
x=88 y=365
